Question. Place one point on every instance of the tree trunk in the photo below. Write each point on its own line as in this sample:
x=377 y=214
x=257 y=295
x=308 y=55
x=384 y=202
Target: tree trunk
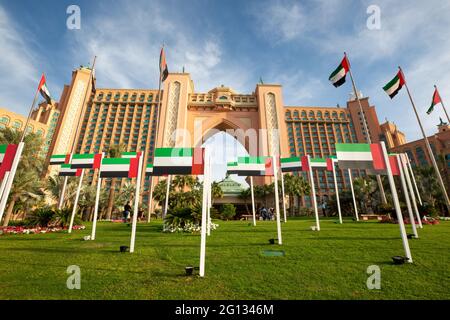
x=9 y=212
x=111 y=199
x=291 y=205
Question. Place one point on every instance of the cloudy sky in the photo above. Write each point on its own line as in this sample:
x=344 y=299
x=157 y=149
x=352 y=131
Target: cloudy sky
x=235 y=43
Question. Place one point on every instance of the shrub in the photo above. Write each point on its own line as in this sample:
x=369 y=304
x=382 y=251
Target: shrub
x=62 y=218
x=41 y=217
x=182 y=219
x=304 y=211
x=228 y=211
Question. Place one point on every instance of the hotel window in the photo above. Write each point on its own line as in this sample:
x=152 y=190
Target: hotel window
x=287 y=114
x=17 y=124
x=311 y=115
x=116 y=97
x=133 y=97
x=100 y=97
x=335 y=116
x=4 y=120
x=342 y=115
x=150 y=98
x=319 y=115
x=108 y=97
x=125 y=97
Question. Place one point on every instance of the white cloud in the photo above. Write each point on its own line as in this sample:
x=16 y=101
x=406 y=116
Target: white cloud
x=19 y=76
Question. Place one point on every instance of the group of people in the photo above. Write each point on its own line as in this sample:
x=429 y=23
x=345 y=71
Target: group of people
x=266 y=214
x=127 y=212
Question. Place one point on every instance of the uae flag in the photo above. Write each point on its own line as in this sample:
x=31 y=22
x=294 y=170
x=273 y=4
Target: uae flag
x=252 y=166
x=44 y=90
x=435 y=101
x=67 y=171
x=163 y=70
x=232 y=168
x=394 y=86
x=178 y=161
x=2 y=151
x=119 y=167
x=7 y=154
x=337 y=78
x=149 y=170
x=86 y=161
x=318 y=163
x=291 y=164
x=58 y=159
x=129 y=155
x=354 y=156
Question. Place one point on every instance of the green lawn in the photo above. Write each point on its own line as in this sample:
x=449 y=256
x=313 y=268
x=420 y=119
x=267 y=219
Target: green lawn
x=330 y=264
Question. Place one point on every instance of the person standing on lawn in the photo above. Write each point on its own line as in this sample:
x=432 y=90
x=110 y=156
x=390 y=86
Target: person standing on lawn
x=126 y=212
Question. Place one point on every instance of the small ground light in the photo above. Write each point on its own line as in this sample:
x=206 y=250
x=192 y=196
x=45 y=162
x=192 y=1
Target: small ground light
x=272 y=241
x=189 y=270
x=399 y=259
x=124 y=249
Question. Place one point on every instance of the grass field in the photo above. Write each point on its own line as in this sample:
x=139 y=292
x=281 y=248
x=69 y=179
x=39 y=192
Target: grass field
x=330 y=264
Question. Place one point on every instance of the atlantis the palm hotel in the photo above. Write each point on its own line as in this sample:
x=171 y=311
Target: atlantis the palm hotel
x=117 y=115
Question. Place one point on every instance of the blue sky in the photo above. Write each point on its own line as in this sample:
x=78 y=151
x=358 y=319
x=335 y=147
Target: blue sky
x=294 y=43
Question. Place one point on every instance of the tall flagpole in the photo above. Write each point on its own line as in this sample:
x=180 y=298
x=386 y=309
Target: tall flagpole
x=427 y=143
x=253 y=201
x=277 y=203
x=407 y=199
x=336 y=189
x=283 y=195
x=443 y=106
x=403 y=159
x=413 y=178
x=353 y=193
x=366 y=130
x=150 y=198
x=80 y=120
x=313 y=191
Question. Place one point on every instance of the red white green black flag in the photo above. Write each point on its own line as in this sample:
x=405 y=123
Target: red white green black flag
x=42 y=88
x=394 y=86
x=435 y=101
x=337 y=77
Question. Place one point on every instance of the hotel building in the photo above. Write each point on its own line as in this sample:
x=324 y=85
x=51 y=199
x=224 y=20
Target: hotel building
x=111 y=116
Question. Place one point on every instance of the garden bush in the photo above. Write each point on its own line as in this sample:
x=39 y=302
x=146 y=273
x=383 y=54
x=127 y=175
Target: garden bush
x=228 y=211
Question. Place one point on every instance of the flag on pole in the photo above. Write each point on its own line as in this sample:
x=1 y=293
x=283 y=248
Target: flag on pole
x=354 y=156
x=7 y=158
x=305 y=163
x=178 y=161
x=251 y=166
x=119 y=168
x=86 y=161
x=149 y=170
x=58 y=159
x=435 y=101
x=129 y=155
x=291 y=164
x=318 y=163
x=2 y=151
x=337 y=77
x=394 y=86
x=67 y=171
x=164 y=71
x=44 y=90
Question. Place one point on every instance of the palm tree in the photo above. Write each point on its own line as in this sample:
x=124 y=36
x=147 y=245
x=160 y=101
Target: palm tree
x=295 y=186
x=264 y=191
x=183 y=182
x=365 y=188
x=115 y=151
x=159 y=193
x=127 y=193
x=216 y=191
x=245 y=195
x=26 y=184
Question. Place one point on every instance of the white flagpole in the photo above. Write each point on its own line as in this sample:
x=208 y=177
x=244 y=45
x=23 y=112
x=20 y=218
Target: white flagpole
x=396 y=203
x=2 y=187
x=253 y=201
x=283 y=195
x=337 y=192
x=427 y=143
x=413 y=179
x=277 y=200
x=166 y=205
x=313 y=191
x=408 y=202
x=204 y=218
x=136 y=203
x=443 y=106
x=75 y=204
x=403 y=159
x=10 y=179
x=209 y=199
x=353 y=193
x=369 y=140
x=97 y=200
x=63 y=191
x=150 y=204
